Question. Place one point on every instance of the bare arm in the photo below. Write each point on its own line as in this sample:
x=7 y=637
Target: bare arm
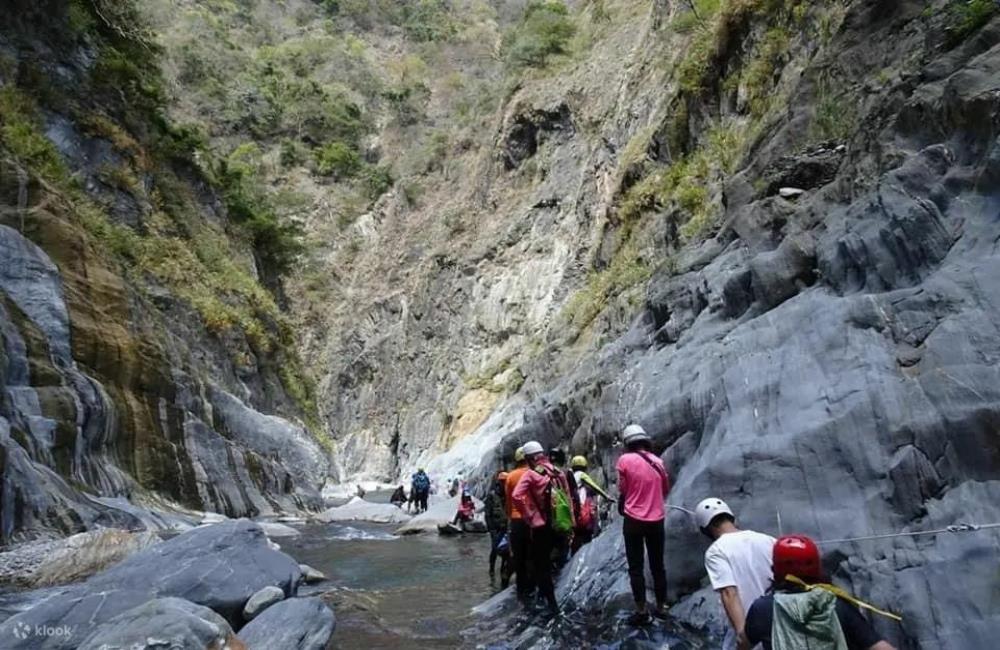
x=734 y=607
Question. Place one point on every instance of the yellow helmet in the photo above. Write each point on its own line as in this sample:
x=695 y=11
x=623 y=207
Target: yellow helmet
x=519 y=454
x=578 y=462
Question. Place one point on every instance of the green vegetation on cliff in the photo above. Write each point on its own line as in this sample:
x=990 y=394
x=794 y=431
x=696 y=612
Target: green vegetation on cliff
x=146 y=200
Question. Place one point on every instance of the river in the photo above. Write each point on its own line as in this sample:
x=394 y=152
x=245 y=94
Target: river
x=395 y=592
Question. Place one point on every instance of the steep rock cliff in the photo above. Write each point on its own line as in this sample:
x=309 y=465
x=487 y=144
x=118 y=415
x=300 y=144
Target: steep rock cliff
x=130 y=370
x=828 y=356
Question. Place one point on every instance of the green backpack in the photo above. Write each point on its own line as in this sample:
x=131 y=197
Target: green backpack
x=560 y=514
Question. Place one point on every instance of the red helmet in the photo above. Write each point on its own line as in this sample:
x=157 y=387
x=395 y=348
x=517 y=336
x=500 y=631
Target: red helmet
x=796 y=555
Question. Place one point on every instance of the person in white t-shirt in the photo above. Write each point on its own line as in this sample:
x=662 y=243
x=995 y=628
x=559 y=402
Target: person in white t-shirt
x=738 y=564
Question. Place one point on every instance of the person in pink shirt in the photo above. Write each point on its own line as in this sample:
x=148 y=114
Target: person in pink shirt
x=643 y=485
x=531 y=497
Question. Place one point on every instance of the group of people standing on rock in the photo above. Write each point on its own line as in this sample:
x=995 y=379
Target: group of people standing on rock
x=774 y=592
x=538 y=515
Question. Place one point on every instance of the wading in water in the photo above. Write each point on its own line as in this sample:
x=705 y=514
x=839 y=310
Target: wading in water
x=643 y=485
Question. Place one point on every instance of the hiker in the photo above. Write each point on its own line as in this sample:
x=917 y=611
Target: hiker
x=466 y=511
x=563 y=543
x=643 y=484
x=520 y=533
x=587 y=515
x=542 y=496
x=793 y=616
x=496 y=524
x=398 y=497
x=738 y=563
x=455 y=485
x=360 y=492
x=420 y=485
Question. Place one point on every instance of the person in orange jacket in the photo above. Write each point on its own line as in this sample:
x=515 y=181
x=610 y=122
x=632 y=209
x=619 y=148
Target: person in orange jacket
x=520 y=533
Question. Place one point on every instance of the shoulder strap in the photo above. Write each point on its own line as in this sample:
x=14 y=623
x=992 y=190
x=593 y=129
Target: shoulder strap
x=659 y=468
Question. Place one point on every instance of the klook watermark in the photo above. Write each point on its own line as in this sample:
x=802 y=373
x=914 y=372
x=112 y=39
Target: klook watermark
x=23 y=631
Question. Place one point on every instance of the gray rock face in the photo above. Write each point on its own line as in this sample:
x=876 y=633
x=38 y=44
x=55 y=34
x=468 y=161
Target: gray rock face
x=294 y=624
x=838 y=368
x=261 y=601
x=219 y=567
x=163 y=623
x=232 y=458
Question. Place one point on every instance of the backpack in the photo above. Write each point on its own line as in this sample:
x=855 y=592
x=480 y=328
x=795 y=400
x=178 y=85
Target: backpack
x=585 y=520
x=807 y=620
x=421 y=482
x=559 y=514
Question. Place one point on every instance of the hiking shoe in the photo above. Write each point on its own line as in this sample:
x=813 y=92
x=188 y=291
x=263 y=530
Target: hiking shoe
x=639 y=619
x=660 y=612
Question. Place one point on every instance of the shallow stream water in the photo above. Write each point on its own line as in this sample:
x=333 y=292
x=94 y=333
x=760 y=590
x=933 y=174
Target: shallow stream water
x=395 y=592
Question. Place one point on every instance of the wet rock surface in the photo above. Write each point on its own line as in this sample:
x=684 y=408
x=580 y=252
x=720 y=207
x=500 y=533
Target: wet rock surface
x=262 y=600
x=164 y=623
x=294 y=624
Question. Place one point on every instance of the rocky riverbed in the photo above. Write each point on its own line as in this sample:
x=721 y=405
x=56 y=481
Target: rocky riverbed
x=223 y=585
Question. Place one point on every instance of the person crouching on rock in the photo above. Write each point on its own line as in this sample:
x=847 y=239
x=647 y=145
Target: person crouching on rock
x=643 y=485
x=398 y=497
x=542 y=495
x=466 y=511
x=802 y=611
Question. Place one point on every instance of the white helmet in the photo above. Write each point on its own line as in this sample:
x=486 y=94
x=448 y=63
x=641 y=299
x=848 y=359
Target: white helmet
x=532 y=448
x=634 y=433
x=709 y=509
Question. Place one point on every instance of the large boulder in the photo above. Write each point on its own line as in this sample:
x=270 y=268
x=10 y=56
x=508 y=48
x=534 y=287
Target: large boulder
x=357 y=509
x=218 y=566
x=440 y=511
x=295 y=624
x=49 y=563
x=164 y=623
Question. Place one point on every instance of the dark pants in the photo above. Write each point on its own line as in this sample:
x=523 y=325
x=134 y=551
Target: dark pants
x=637 y=535
x=581 y=536
x=542 y=542
x=421 y=501
x=560 y=550
x=520 y=543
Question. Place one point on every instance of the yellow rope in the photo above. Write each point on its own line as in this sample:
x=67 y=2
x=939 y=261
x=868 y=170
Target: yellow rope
x=841 y=593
